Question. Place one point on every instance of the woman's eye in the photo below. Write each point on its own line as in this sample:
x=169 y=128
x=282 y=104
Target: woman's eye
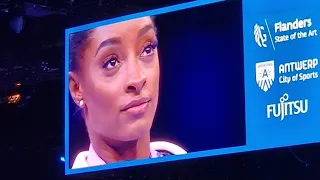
x=149 y=50
x=111 y=63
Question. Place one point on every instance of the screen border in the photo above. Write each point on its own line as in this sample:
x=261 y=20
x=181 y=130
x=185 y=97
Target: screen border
x=193 y=155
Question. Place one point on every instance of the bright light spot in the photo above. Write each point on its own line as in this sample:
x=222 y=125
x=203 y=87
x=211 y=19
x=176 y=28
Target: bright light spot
x=14 y=99
x=62 y=159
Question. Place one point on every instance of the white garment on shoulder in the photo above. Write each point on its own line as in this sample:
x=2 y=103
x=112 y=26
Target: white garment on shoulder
x=90 y=158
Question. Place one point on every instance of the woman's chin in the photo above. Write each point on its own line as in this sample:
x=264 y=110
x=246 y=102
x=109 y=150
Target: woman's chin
x=137 y=131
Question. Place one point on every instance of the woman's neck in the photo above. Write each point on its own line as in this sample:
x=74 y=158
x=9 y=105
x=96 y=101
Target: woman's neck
x=111 y=151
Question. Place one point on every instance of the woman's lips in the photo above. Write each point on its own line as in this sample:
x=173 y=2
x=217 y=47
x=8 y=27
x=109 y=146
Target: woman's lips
x=138 y=110
x=137 y=107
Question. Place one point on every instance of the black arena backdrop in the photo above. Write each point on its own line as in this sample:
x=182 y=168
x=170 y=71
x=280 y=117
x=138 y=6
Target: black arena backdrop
x=201 y=104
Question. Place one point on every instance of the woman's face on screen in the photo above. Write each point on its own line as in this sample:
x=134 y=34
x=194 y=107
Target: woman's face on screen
x=120 y=79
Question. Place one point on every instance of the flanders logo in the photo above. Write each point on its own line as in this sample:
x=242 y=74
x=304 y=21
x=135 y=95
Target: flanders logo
x=259 y=37
x=265 y=74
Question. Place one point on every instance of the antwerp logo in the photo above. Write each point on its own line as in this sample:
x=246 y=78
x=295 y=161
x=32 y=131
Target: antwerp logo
x=265 y=74
x=259 y=37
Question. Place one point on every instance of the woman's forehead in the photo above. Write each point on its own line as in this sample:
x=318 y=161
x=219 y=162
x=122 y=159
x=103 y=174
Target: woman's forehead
x=116 y=29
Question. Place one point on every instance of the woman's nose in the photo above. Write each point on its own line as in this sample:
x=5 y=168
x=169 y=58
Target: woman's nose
x=136 y=79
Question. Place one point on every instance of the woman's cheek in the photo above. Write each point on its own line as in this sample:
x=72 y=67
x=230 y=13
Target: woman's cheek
x=155 y=74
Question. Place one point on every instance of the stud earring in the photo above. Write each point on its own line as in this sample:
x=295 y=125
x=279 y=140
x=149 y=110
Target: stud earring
x=81 y=103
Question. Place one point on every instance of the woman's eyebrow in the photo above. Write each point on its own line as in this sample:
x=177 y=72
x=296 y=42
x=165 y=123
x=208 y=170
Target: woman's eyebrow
x=146 y=29
x=117 y=40
x=108 y=42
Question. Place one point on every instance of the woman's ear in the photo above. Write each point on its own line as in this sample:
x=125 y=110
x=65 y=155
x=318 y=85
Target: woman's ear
x=75 y=89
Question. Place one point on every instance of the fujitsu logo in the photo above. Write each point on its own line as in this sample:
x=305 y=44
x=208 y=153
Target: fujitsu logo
x=287 y=108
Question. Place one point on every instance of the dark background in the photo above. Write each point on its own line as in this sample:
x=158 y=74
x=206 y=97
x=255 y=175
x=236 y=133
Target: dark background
x=32 y=130
x=201 y=104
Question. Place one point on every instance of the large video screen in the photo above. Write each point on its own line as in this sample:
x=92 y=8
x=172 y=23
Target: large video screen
x=192 y=80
